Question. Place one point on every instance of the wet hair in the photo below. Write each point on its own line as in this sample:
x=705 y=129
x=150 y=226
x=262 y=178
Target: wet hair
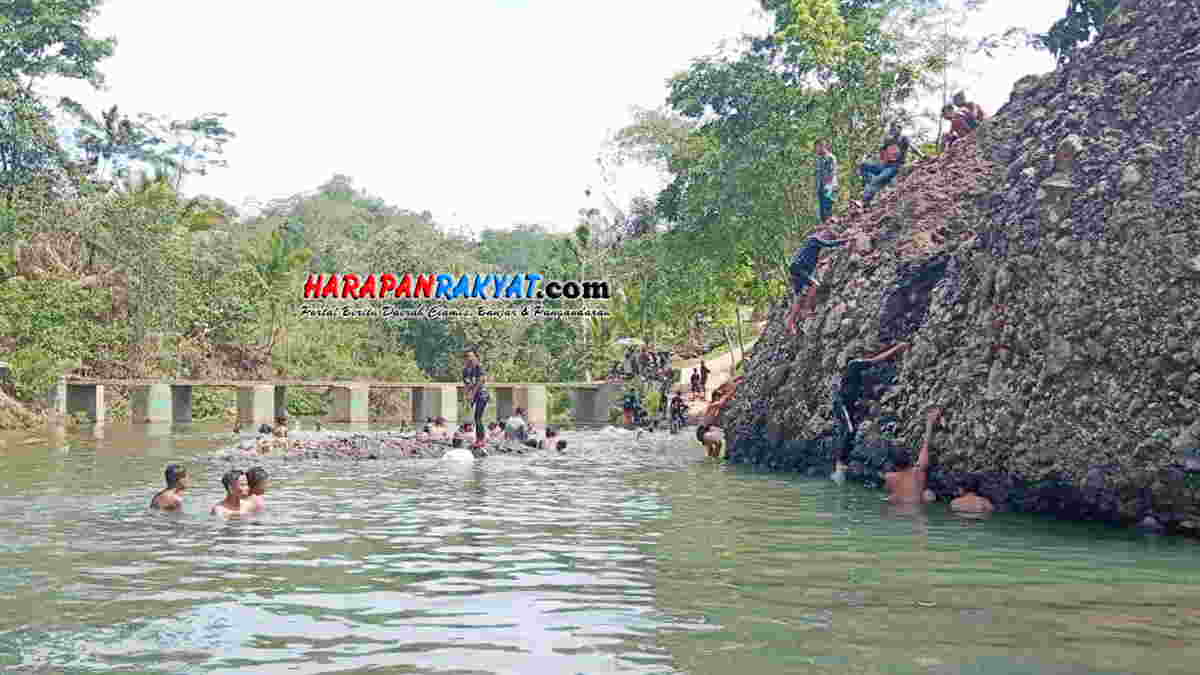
x=281 y=420
x=265 y=429
x=173 y=474
x=456 y=443
x=700 y=431
x=426 y=429
x=256 y=476
x=901 y=457
x=439 y=420
x=231 y=477
x=551 y=432
x=519 y=412
x=948 y=108
x=561 y=445
x=971 y=483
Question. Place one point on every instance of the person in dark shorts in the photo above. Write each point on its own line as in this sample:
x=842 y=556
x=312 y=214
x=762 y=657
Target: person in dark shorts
x=803 y=267
x=846 y=411
x=704 y=371
x=171 y=499
x=474 y=378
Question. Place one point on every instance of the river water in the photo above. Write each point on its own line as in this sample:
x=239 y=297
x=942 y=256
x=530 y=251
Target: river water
x=618 y=557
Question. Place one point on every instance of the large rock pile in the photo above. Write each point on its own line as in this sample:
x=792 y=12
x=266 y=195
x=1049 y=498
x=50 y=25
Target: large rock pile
x=1055 y=313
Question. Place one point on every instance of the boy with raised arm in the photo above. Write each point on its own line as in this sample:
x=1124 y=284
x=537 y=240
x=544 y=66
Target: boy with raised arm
x=906 y=485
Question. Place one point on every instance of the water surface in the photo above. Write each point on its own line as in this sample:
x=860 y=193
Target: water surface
x=619 y=557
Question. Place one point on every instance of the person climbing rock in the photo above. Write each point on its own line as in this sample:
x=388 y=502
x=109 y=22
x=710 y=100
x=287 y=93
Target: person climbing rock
x=892 y=155
x=906 y=485
x=969 y=499
x=972 y=112
x=826 y=179
x=846 y=411
x=803 y=267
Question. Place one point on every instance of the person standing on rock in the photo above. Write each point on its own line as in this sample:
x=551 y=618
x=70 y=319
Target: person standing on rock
x=474 y=378
x=826 y=179
x=803 y=267
x=846 y=412
x=704 y=371
x=958 y=125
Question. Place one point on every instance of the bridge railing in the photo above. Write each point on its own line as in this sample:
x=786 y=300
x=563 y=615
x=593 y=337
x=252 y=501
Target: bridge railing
x=261 y=401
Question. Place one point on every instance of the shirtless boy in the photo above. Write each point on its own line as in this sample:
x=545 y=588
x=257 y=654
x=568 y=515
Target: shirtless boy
x=906 y=485
x=969 y=500
x=236 y=487
x=171 y=499
x=256 y=481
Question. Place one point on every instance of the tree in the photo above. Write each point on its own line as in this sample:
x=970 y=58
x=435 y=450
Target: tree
x=1083 y=19
x=50 y=38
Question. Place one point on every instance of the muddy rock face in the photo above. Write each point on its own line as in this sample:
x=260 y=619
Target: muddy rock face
x=1055 y=315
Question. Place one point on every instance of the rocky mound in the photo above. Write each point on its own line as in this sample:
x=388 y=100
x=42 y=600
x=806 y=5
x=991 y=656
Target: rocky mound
x=1054 y=306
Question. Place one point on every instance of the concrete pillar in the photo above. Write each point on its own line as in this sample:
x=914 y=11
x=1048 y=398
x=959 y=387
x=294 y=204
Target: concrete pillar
x=85 y=398
x=435 y=400
x=150 y=403
x=533 y=399
x=181 y=403
x=351 y=404
x=255 y=404
x=281 y=402
x=592 y=406
x=502 y=398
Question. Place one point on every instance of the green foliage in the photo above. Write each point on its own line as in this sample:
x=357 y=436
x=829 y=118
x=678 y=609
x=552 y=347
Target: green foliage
x=209 y=403
x=1083 y=19
x=43 y=38
x=49 y=326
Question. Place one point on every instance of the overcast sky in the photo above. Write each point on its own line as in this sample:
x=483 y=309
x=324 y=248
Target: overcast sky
x=487 y=113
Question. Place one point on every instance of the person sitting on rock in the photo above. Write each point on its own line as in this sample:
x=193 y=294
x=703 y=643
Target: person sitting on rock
x=803 y=267
x=972 y=112
x=721 y=398
x=958 y=125
x=969 y=500
x=846 y=412
x=892 y=155
x=906 y=485
x=713 y=440
x=171 y=499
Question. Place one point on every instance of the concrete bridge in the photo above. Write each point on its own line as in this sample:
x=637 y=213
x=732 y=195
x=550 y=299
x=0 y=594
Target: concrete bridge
x=261 y=401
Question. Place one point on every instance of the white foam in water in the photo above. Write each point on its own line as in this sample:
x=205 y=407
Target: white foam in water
x=458 y=455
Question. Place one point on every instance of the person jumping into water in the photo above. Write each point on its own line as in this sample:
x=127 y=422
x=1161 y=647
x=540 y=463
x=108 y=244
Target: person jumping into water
x=846 y=411
x=803 y=267
x=171 y=499
x=474 y=378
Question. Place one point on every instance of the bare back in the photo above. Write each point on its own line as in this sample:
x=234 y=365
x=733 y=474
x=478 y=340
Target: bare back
x=167 y=500
x=906 y=487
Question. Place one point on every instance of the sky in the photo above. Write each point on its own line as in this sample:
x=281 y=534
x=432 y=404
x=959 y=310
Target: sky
x=487 y=113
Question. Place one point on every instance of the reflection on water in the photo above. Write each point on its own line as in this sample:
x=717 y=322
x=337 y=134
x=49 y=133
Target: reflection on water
x=632 y=556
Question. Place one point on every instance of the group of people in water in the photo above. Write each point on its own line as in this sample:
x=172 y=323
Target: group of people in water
x=244 y=491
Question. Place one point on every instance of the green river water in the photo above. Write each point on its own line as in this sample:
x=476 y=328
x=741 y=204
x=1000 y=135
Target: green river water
x=614 y=558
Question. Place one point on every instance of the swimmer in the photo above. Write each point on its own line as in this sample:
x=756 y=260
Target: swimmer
x=439 y=430
x=236 y=487
x=256 y=481
x=906 y=485
x=713 y=440
x=969 y=500
x=171 y=499
x=495 y=431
